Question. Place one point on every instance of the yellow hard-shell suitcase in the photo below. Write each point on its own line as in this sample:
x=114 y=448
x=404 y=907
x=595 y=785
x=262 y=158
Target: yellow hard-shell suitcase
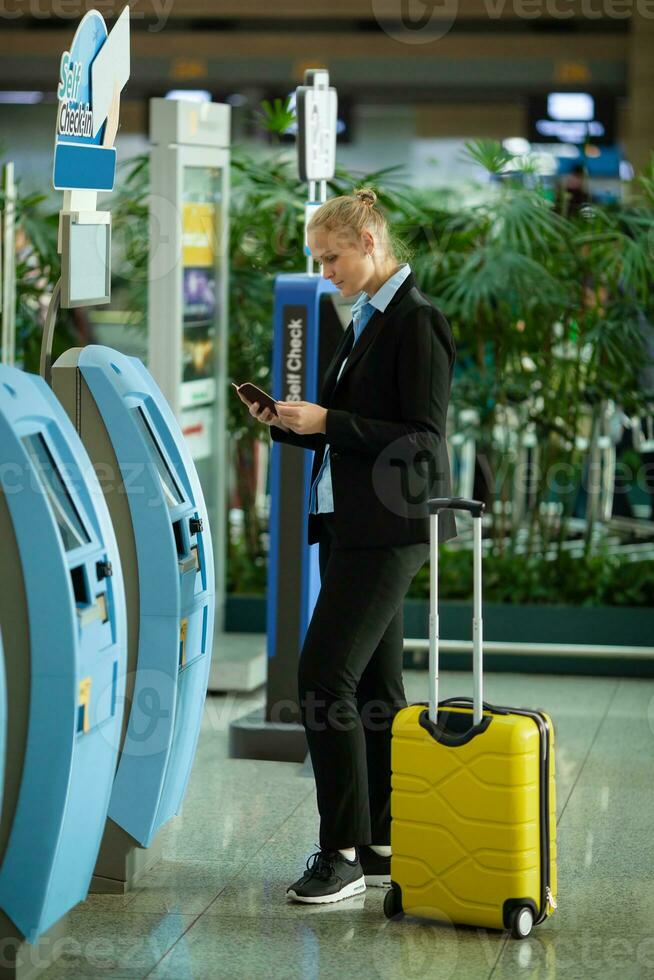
x=473 y=803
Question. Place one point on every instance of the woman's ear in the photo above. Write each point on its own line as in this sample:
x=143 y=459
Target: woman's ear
x=367 y=242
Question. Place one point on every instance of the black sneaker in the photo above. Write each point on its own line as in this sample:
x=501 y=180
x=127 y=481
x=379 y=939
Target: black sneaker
x=377 y=869
x=329 y=878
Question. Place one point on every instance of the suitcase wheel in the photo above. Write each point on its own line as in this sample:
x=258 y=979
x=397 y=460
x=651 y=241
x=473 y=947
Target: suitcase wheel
x=393 y=901
x=521 y=921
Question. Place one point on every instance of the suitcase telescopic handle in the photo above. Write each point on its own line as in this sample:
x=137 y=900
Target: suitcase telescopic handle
x=476 y=509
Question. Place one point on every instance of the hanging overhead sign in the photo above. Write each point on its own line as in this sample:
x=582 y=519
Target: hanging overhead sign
x=91 y=77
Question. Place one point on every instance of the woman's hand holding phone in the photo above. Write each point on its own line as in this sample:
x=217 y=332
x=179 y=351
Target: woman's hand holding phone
x=303 y=418
x=264 y=415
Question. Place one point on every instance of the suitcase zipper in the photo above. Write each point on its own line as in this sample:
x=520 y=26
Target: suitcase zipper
x=547 y=899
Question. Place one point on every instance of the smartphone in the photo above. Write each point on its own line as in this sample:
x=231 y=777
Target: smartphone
x=254 y=394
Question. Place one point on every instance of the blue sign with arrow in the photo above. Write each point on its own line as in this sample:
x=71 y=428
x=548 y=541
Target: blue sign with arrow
x=85 y=158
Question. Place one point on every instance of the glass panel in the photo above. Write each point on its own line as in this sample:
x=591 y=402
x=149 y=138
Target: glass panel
x=202 y=204
x=72 y=532
x=171 y=491
x=203 y=279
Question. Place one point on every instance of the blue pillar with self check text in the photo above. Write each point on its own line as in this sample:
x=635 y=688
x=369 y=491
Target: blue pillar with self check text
x=306 y=332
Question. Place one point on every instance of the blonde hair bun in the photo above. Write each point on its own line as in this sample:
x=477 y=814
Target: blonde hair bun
x=366 y=196
x=352 y=214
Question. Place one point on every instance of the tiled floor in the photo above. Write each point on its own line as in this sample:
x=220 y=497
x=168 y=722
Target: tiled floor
x=216 y=905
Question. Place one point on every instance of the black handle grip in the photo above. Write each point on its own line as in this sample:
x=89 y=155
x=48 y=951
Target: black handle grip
x=452 y=738
x=476 y=507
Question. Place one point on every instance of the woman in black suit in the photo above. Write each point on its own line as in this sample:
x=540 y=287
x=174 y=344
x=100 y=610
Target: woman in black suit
x=378 y=437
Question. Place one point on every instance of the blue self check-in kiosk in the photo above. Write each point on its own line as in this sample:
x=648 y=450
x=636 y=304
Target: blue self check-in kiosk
x=158 y=510
x=63 y=623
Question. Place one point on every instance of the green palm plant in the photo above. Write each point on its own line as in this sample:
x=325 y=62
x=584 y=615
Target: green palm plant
x=546 y=314
x=276 y=117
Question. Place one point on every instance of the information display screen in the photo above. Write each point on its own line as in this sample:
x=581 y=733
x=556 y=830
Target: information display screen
x=71 y=530
x=171 y=491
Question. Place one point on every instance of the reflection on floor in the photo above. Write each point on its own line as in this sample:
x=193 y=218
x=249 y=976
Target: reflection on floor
x=216 y=906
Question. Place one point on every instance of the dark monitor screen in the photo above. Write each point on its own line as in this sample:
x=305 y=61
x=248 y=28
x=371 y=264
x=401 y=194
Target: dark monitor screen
x=171 y=491
x=72 y=531
x=569 y=117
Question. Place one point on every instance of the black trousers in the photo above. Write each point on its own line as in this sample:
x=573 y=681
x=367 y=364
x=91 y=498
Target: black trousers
x=350 y=685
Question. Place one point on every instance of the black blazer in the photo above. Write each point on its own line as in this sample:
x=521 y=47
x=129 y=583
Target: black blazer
x=386 y=426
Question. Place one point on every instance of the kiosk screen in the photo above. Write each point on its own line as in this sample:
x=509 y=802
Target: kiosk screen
x=71 y=529
x=170 y=489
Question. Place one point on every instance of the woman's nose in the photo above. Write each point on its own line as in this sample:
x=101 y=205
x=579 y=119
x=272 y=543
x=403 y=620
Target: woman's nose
x=327 y=273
